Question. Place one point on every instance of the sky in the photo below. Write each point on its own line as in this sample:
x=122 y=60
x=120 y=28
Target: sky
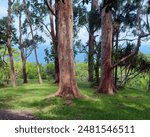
x=83 y=34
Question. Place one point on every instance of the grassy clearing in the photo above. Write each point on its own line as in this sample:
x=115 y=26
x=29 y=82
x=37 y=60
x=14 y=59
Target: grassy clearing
x=129 y=103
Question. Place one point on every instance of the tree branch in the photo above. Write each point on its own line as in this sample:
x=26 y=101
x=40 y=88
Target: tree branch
x=135 y=51
x=50 y=9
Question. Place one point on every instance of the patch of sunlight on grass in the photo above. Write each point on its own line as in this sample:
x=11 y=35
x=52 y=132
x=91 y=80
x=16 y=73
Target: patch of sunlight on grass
x=134 y=106
x=128 y=103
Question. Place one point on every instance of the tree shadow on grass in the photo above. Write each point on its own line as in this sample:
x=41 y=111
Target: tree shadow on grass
x=4 y=102
x=124 y=105
x=6 y=114
x=85 y=109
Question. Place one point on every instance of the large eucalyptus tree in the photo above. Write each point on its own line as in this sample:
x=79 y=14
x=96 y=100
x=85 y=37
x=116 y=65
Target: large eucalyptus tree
x=67 y=84
x=107 y=84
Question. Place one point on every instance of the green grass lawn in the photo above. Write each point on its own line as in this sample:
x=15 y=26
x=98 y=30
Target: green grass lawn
x=129 y=103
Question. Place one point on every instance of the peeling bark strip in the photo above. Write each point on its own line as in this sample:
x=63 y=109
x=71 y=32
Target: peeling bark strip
x=67 y=85
x=106 y=85
x=12 y=70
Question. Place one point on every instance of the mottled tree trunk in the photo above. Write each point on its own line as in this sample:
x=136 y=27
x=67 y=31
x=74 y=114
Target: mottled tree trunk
x=106 y=85
x=10 y=52
x=67 y=84
x=34 y=46
x=24 y=73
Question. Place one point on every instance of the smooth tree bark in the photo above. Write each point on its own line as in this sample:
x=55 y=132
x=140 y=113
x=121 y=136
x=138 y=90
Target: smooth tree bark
x=33 y=40
x=67 y=85
x=10 y=52
x=106 y=83
x=24 y=73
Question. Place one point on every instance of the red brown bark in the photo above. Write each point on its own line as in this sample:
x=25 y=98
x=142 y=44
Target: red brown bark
x=67 y=85
x=106 y=84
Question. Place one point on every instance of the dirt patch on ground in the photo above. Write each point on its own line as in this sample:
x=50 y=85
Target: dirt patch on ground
x=8 y=114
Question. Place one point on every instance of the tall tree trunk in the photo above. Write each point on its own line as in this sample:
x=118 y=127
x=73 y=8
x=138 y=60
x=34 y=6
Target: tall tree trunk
x=91 y=56
x=67 y=85
x=34 y=46
x=106 y=85
x=24 y=73
x=56 y=45
x=94 y=5
x=97 y=66
x=7 y=74
x=54 y=39
x=10 y=52
x=116 y=56
x=5 y=67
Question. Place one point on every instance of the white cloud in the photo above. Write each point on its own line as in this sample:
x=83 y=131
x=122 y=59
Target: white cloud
x=3 y=11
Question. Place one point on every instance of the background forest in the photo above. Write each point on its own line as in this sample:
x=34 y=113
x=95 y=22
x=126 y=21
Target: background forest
x=93 y=66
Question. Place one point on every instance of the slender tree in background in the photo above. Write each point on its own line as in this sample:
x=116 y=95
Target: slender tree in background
x=67 y=85
x=18 y=9
x=52 y=30
x=12 y=70
x=123 y=18
x=94 y=7
x=54 y=34
x=22 y=52
x=33 y=40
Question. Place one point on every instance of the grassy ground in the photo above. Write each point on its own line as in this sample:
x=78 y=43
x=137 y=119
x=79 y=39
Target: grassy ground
x=126 y=104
